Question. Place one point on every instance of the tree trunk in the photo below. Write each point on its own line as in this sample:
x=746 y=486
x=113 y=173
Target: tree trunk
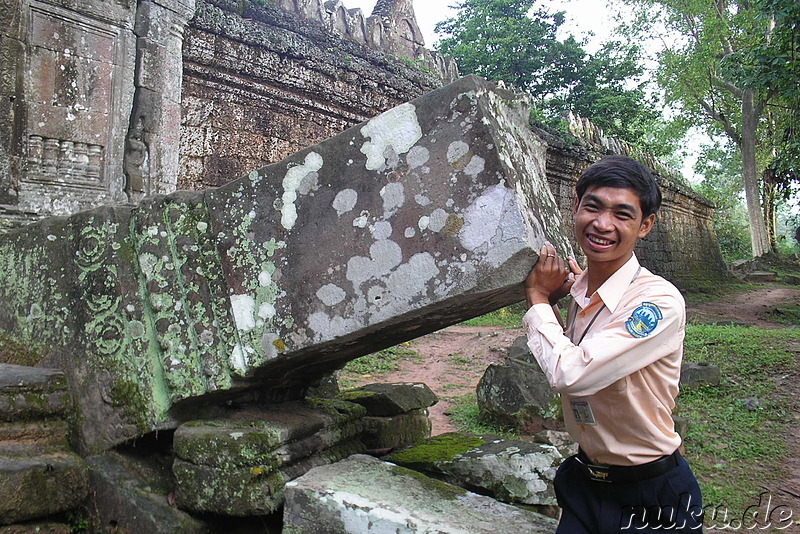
x=758 y=229
x=769 y=196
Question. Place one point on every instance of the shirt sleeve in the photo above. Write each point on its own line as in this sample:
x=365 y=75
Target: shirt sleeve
x=609 y=353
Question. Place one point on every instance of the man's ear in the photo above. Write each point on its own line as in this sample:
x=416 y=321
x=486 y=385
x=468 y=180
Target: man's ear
x=576 y=202
x=647 y=225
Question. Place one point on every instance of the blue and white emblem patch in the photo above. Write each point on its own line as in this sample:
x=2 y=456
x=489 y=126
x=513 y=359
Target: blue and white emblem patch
x=643 y=320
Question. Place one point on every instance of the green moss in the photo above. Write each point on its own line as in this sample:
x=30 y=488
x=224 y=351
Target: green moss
x=444 y=490
x=354 y=395
x=128 y=395
x=441 y=448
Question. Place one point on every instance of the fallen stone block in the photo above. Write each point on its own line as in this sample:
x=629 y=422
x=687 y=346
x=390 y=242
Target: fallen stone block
x=385 y=433
x=391 y=399
x=247 y=491
x=363 y=494
x=132 y=494
x=516 y=394
x=32 y=393
x=694 y=375
x=511 y=471
x=238 y=465
x=760 y=277
x=422 y=217
x=39 y=486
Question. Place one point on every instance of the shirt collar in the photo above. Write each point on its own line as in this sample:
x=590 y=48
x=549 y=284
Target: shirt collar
x=612 y=289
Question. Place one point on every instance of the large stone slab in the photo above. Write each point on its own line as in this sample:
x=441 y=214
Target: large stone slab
x=512 y=471
x=424 y=216
x=363 y=494
x=32 y=393
x=239 y=465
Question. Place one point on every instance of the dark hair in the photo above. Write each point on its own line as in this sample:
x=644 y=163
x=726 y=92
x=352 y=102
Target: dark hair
x=624 y=172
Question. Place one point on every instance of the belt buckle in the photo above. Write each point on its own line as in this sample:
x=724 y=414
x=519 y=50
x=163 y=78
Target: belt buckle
x=598 y=473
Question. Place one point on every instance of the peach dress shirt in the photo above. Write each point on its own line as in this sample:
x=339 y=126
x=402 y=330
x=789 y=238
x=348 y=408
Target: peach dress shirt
x=617 y=373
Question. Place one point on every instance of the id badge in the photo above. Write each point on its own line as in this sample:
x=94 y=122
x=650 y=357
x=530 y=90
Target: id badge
x=582 y=411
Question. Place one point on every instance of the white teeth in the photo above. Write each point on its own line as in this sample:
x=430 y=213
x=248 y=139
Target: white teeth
x=599 y=241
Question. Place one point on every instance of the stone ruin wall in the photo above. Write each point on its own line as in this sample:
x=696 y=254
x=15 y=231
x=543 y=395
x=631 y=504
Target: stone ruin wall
x=138 y=99
x=262 y=84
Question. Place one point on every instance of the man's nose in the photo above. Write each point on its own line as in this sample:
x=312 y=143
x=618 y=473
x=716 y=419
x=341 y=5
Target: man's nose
x=604 y=221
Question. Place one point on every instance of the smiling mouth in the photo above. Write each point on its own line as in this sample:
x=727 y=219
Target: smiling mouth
x=599 y=241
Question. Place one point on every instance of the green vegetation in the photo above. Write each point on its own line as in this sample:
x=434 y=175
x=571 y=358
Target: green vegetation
x=381 y=362
x=508 y=316
x=737 y=438
x=465 y=415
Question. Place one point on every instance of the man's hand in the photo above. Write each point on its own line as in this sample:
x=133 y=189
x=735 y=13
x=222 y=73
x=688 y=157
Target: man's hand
x=551 y=278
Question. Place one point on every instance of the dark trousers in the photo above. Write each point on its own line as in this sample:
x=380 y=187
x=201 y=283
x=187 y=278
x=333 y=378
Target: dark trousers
x=666 y=503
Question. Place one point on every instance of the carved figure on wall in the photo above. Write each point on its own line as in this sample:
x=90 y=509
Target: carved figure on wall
x=137 y=162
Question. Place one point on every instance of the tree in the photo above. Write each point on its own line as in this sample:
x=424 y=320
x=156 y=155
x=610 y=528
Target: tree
x=514 y=41
x=722 y=73
x=507 y=40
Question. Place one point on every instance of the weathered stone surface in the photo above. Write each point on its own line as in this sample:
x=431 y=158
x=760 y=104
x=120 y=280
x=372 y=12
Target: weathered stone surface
x=131 y=493
x=560 y=439
x=682 y=425
x=33 y=438
x=699 y=374
x=385 y=399
x=363 y=494
x=516 y=394
x=396 y=431
x=37 y=528
x=268 y=437
x=432 y=205
x=32 y=393
x=238 y=465
x=757 y=277
x=511 y=471
x=255 y=490
x=38 y=486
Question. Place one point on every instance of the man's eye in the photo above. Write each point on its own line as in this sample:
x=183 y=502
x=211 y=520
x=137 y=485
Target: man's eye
x=624 y=215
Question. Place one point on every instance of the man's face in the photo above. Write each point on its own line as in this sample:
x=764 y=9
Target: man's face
x=608 y=221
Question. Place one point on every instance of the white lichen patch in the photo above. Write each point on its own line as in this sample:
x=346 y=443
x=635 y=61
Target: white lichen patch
x=381 y=230
x=345 y=201
x=456 y=151
x=437 y=220
x=396 y=130
x=422 y=200
x=266 y=311
x=243 y=308
x=475 y=166
x=417 y=156
x=238 y=358
x=393 y=198
x=264 y=279
x=423 y=222
x=292 y=183
x=385 y=255
x=410 y=232
x=362 y=220
x=331 y=294
x=327 y=327
x=494 y=226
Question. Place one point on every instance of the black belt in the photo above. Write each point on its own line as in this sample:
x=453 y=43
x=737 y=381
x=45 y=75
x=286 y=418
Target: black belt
x=626 y=473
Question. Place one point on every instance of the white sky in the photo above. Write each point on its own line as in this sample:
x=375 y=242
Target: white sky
x=583 y=16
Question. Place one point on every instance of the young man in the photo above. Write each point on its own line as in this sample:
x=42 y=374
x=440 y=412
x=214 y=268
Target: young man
x=616 y=363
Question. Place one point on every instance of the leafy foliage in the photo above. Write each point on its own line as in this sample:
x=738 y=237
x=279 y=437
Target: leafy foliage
x=516 y=41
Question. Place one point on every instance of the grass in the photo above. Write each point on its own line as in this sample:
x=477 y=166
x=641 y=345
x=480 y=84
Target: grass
x=785 y=315
x=508 y=316
x=734 y=443
x=377 y=363
x=466 y=417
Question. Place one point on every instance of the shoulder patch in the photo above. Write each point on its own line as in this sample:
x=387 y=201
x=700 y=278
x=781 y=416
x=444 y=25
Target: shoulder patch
x=643 y=320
